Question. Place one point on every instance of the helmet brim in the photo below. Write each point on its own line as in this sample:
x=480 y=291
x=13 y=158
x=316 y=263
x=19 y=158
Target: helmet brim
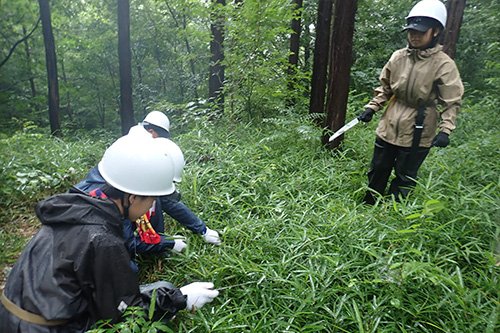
x=416 y=26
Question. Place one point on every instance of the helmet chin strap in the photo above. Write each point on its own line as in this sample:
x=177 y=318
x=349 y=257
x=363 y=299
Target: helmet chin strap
x=125 y=204
x=435 y=39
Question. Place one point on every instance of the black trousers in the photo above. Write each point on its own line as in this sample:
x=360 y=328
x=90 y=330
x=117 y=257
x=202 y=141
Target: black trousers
x=387 y=157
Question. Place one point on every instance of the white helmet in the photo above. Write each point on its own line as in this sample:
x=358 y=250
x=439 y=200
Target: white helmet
x=139 y=165
x=177 y=156
x=433 y=9
x=139 y=130
x=159 y=119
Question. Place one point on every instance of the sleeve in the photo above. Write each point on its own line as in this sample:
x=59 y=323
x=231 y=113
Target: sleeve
x=136 y=246
x=450 y=91
x=384 y=92
x=116 y=286
x=168 y=299
x=185 y=216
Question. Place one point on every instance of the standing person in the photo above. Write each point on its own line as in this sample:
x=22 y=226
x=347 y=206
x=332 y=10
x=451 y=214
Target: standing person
x=414 y=81
x=75 y=270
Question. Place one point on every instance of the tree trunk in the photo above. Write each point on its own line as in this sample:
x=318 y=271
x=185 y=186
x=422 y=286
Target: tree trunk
x=69 y=112
x=51 y=63
x=101 y=108
x=450 y=36
x=293 y=58
x=320 y=61
x=112 y=75
x=340 y=66
x=307 y=47
x=27 y=52
x=216 y=79
x=125 y=63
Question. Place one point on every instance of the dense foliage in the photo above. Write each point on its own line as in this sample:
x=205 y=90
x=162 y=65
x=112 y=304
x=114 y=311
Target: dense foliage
x=170 y=56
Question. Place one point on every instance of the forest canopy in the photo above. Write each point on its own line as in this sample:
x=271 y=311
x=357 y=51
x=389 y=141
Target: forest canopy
x=171 y=57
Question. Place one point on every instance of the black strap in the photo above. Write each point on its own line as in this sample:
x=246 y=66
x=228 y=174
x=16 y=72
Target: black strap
x=417 y=131
x=417 y=134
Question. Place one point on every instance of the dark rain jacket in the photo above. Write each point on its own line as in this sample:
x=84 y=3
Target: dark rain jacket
x=169 y=204
x=94 y=180
x=76 y=268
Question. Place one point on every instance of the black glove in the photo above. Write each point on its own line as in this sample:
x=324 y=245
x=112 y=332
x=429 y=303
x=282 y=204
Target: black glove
x=441 y=140
x=169 y=299
x=367 y=115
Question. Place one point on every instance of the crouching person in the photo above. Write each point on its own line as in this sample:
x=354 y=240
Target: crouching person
x=75 y=270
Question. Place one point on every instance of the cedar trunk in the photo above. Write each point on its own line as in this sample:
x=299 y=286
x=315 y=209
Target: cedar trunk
x=455 y=15
x=320 y=61
x=216 y=79
x=51 y=63
x=27 y=52
x=340 y=66
x=125 y=63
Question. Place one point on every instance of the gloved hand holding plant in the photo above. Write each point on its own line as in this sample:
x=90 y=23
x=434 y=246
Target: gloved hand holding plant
x=198 y=294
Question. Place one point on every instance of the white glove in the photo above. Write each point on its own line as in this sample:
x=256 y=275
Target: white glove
x=211 y=236
x=179 y=245
x=198 y=294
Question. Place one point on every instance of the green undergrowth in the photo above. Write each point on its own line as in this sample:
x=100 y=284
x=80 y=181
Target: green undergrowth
x=300 y=253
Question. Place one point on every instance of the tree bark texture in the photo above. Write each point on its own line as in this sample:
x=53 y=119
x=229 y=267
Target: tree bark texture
x=217 y=70
x=320 y=60
x=307 y=46
x=51 y=63
x=340 y=66
x=450 y=36
x=125 y=64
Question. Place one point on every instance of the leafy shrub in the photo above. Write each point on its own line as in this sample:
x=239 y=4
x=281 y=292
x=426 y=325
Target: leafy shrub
x=35 y=165
x=135 y=321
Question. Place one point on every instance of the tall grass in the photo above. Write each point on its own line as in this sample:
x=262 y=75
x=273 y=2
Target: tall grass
x=300 y=253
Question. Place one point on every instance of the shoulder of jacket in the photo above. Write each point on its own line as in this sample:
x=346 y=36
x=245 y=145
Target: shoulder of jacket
x=399 y=53
x=445 y=62
x=103 y=236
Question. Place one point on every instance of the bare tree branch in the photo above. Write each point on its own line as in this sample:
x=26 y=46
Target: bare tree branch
x=19 y=42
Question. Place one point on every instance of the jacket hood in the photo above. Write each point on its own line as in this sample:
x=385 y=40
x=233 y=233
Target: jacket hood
x=424 y=53
x=76 y=208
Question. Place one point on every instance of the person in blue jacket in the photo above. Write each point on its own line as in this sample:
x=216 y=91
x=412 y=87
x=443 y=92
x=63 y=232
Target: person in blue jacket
x=157 y=125
x=75 y=271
